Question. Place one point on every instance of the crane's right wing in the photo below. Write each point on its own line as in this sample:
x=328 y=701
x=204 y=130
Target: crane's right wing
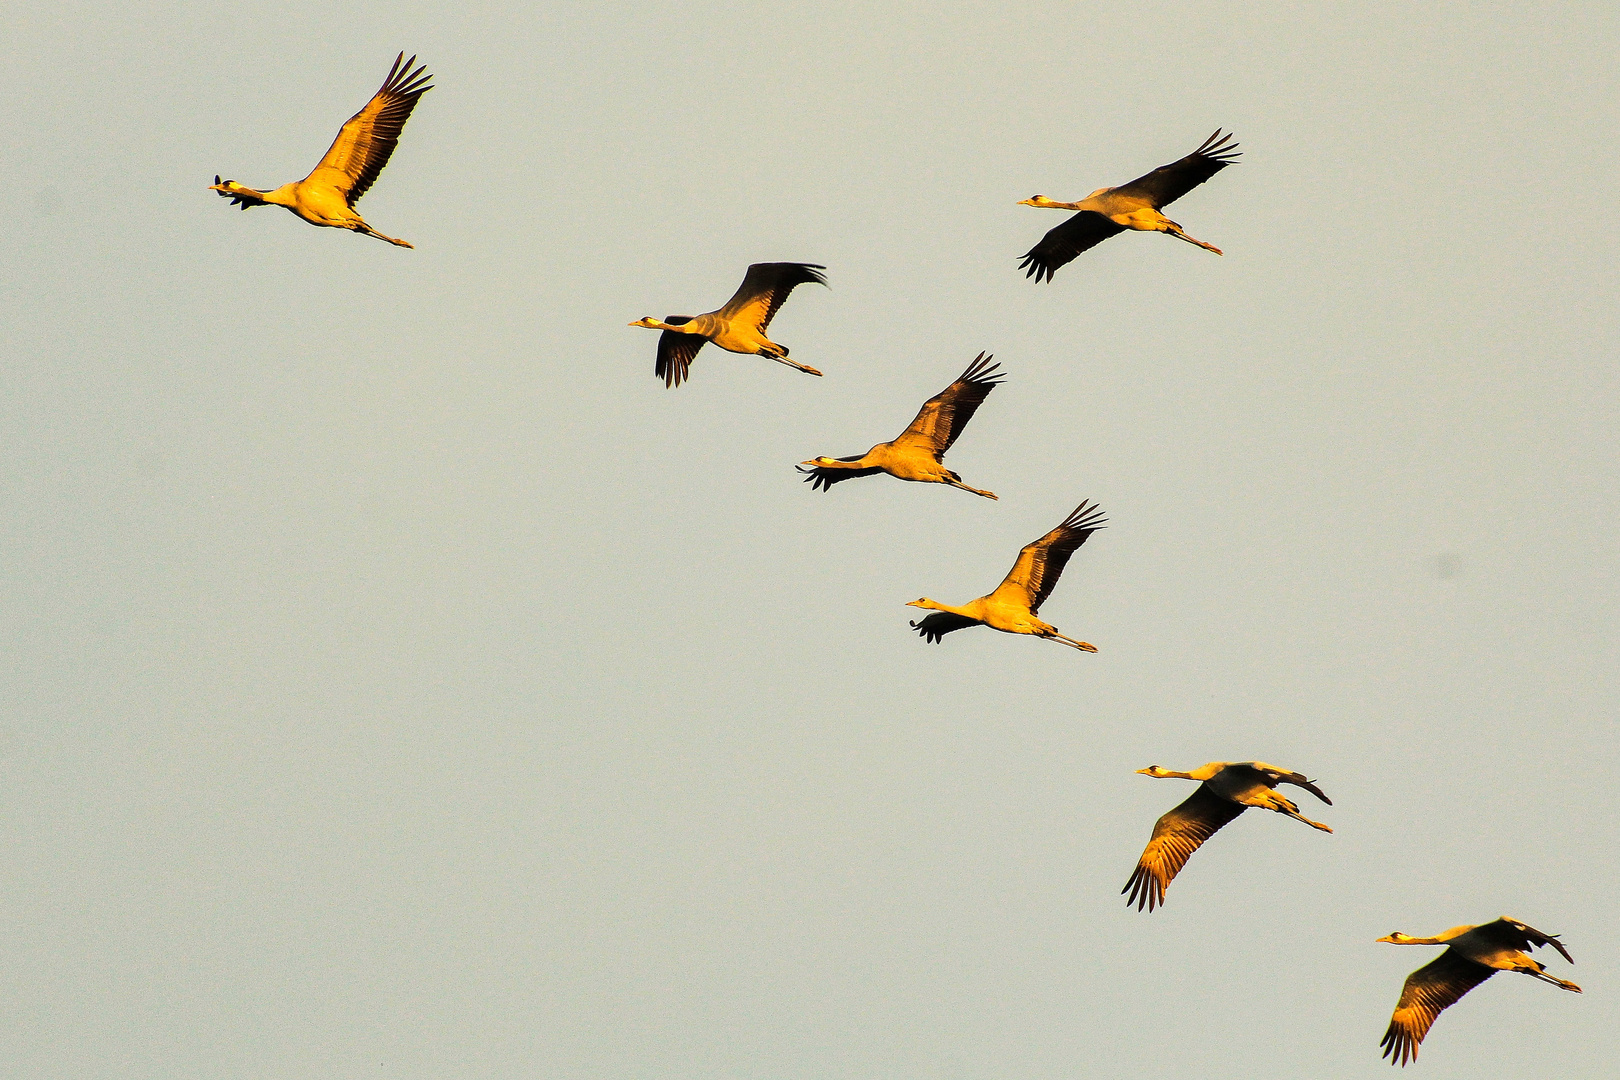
x=940 y=623
x=1513 y=934
x=943 y=416
x=675 y=352
x=765 y=288
x=1168 y=183
x=1428 y=991
x=366 y=142
x=1059 y=247
x=1039 y=564
x=1178 y=834
x=1284 y=776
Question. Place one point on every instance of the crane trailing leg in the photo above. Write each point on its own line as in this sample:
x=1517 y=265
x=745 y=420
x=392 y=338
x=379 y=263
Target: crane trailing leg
x=1175 y=230
x=1081 y=645
x=956 y=481
x=362 y=227
x=779 y=353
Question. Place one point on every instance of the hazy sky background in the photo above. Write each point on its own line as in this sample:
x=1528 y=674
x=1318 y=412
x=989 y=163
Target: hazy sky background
x=401 y=683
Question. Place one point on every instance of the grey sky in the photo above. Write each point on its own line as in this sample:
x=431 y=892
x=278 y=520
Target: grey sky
x=400 y=682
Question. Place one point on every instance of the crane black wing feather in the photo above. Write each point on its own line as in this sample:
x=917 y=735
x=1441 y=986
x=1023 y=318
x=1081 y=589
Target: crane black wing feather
x=1428 y=991
x=1041 y=563
x=1168 y=183
x=1300 y=780
x=822 y=479
x=943 y=416
x=1513 y=934
x=675 y=352
x=766 y=287
x=940 y=623
x=1064 y=242
x=1176 y=835
x=367 y=140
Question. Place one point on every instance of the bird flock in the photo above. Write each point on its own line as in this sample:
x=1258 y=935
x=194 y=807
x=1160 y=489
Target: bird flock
x=363 y=146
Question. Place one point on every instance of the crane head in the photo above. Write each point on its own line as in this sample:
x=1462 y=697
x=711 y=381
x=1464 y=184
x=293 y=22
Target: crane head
x=819 y=461
x=649 y=322
x=1397 y=938
x=1036 y=200
x=924 y=602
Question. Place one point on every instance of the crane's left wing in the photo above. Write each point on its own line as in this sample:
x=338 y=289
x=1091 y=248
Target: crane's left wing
x=364 y=144
x=1176 y=835
x=1040 y=564
x=943 y=416
x=1428 y=991
x=1063 y=243
x=765 y=288
x=1168 y=183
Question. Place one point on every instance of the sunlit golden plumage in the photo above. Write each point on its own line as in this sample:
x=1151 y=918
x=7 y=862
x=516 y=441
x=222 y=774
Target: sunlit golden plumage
x=1228 y=789
x=326 y=197
x=1109 y=211
x=918 y=452
x=738 y=327
x=1475 y=953
x=1013 y=606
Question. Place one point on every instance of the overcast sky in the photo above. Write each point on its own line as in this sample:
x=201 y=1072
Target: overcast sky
x=401 y=683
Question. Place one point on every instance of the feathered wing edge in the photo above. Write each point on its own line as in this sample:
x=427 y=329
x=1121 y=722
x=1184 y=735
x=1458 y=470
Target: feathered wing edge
x=1039 y=564
x=1181 y=831
x=767 y=287
x=1428 y=991
x=367 y=139
x=675 y=352
x=821 y=478
x=1064 y=242
x=942 y=417
x=1168 y=183
x=936 y=626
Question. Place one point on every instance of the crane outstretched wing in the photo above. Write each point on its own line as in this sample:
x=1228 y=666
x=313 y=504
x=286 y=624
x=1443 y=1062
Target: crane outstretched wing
x=940 y=623
x=943 y=416
x=1082 y=232
x=822 y=479
x=1428 y=991
x=364 y=144
x=1513 y=934
x=1168 y=183
x=1276 y=775
x=765 y=288
x=1040 y=564
x=675 y=352
x=1176 y=836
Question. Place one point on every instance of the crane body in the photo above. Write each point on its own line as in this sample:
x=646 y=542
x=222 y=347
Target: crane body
x=326 y=197
x=917 y=453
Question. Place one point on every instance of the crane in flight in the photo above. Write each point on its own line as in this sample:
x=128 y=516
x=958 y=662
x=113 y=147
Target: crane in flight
x=1013 y=607
x=1474 y=954
x=1228 y=789
x=918 y=452
x=738 y=327
x=326 y=197
x=1136 y=205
